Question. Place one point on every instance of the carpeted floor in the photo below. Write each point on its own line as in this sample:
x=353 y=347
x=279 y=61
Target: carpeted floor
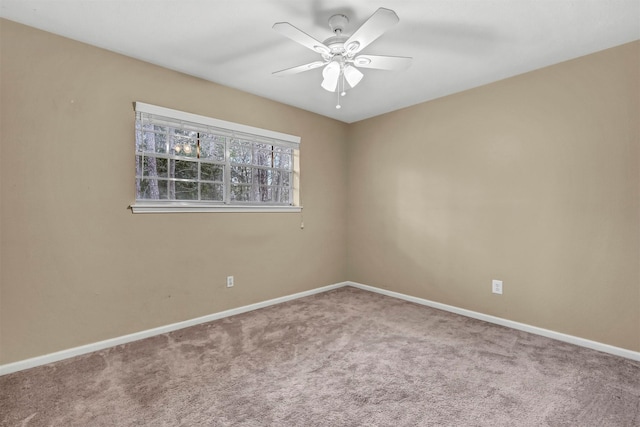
x=342 y=358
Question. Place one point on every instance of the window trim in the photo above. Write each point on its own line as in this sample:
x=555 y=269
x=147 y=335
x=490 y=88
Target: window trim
x=176 y=206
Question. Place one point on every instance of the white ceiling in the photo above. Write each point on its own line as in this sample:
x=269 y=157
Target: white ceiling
x=455 y=44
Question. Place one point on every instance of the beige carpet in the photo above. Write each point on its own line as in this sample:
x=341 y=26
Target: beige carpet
x=342 y=358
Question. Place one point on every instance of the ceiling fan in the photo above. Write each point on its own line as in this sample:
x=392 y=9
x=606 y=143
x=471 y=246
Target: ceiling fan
x=340 y=53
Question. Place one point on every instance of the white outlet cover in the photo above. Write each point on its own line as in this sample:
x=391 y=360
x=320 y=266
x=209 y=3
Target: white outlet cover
x=496 y=286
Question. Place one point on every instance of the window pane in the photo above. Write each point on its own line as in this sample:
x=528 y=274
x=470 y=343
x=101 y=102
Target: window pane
x=211 y=192
x=285 y=178
x=276 y=177
x=240 y=174
x=184 y=146
x=277 y=194
x=212 y=147
x=211 y=172
x=265 y=176
x=184 y=169
x=186 y=190
x=155 y=142
x=240 y=193
x=284 y=195
x=155 y=128
x=265 y=194
x=162 y=167
x=282 y=160
x=151 y=189
x=240 y=151
x=264 y=158
x=155 y=167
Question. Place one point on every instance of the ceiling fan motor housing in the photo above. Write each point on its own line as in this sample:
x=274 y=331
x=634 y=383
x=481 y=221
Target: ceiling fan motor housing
x=336 y=45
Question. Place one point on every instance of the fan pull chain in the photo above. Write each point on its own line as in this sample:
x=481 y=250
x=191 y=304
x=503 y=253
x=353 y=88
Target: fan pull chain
x=338 y=93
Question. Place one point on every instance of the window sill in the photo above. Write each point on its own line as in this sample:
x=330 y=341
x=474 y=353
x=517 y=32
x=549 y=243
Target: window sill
x=177 y=207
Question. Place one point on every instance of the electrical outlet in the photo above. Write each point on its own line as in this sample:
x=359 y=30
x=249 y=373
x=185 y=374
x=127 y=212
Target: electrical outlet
x=496 y=286
x=229 y=281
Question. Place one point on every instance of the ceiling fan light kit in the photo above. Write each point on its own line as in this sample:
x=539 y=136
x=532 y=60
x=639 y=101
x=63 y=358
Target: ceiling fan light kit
x=339 y=52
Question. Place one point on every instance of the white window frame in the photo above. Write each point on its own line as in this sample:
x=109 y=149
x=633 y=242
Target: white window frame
x=278 y=139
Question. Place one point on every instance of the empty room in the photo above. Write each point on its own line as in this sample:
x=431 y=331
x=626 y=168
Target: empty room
x=320 y=213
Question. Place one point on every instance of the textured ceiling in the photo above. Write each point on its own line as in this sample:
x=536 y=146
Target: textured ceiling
x=455 y=44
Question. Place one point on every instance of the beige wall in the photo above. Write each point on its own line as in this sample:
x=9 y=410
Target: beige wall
x=533 y=180
x=77 y=265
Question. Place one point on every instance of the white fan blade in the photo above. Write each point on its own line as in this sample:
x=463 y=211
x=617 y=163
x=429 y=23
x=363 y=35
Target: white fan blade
x=301 y=37
x=381 y=20
x=298 y=69
x=393 y=63
x=352 y=75
x=331 y=74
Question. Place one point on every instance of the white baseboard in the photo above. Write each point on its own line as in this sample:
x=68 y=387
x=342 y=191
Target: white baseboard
x=101 y=345
x=594 y=345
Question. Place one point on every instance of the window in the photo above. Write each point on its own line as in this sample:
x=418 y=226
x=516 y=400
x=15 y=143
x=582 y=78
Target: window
x=186 y=162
